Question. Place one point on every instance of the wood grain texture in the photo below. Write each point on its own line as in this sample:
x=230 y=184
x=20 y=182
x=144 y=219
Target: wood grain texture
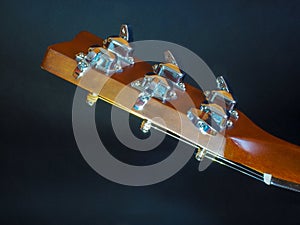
x=244 y=143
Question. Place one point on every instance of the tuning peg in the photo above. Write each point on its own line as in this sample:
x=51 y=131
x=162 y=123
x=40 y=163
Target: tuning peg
x=169 y=58
x=124 y=32
x=209 y=119
x=91 y=99
x=110 y=58
x=120 y=46
x=215 y=116
x=146 y=126
x=200 y=154
x=221 y=84
x=163 y=84
x=170 y=70
x=222 y=97
x=152 y=86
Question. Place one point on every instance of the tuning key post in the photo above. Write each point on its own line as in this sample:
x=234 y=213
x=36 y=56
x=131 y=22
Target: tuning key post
x=91 y=99
x=200 y=154
x=146 y=126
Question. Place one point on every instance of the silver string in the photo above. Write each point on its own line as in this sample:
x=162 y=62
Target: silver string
x=216 y=158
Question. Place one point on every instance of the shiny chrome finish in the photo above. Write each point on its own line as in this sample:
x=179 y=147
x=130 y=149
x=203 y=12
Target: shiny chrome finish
x=152 y=86
x=209 y=119
x=167 y=79
x=82 y=66
x=91 y=99
x=115 y=54
x=222 y=97
x=221 y=84
x=124 y=32
x=97 y=58
x=200 y=154
x=121 y=48
x=145 y=126
x=215 y=117
x=170 y=70
x=201 y=125
x=234 y=114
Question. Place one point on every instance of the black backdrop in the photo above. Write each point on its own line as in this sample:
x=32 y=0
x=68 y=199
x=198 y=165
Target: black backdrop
x=45 y=180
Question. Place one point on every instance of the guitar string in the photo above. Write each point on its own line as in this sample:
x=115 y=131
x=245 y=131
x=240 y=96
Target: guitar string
x=221 y=160
x=217 y=158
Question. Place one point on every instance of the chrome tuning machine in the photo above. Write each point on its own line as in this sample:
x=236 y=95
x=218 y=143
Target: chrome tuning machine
x=170 y=70
x=215 y=116
x=209 y=119
x=163 y=84
x=110 y=58
x=222 y=97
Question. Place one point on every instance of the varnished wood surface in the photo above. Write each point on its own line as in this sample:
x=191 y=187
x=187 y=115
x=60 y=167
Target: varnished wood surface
x=246 y=143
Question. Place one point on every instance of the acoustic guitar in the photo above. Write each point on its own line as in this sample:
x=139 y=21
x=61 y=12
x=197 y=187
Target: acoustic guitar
x=204 y=119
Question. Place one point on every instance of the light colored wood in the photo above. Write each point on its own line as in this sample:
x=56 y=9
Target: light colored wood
x=245 y=143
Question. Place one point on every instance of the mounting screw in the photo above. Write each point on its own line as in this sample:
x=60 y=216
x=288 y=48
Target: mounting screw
x=234 y=114
x=229 y=123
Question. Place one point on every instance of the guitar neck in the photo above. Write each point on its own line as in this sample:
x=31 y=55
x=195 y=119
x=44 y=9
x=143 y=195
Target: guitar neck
x=244 y=145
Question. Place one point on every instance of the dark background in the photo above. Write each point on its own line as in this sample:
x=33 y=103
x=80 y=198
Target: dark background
x=45 y=180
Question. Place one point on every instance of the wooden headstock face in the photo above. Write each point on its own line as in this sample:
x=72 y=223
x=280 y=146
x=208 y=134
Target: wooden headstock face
x=239 y=141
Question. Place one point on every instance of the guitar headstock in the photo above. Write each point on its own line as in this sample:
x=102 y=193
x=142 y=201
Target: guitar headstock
x=205 y=119
x=164 y=82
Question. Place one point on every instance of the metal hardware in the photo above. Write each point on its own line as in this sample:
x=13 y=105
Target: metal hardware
x=215 y=117
x=221 y=84
x=200 y=154
x=209 y=119
x=97 y=58
x=222 y=97
x=152 y=86
x=124 y=32
x=91 y=99
x=229 y=123
x=210 y=155
x=170 y=70
x=163 y=84
x=121 y=48
x=114 y=55
x=234 y=114
x=145 y=126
